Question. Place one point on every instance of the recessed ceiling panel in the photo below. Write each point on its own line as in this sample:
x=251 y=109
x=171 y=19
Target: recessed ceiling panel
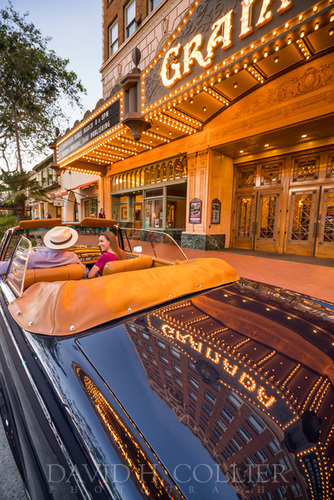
x=322 y=38
x=201 y=106
x=237 y=84
x=280 y=60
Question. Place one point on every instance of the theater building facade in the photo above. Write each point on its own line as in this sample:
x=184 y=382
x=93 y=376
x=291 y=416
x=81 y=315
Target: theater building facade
x=216 y=123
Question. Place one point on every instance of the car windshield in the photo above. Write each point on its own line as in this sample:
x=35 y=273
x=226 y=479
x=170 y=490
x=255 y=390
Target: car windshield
x=18 y=264
x=153 y=243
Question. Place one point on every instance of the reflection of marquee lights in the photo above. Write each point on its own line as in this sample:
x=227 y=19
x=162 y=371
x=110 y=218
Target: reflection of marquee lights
x=120 y=435
x=246 y=380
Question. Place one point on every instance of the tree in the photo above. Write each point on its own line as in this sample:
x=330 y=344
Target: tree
x=19 y=187
x=33 y=80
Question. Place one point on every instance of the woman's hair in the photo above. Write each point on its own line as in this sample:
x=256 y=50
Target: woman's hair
x=114 y=244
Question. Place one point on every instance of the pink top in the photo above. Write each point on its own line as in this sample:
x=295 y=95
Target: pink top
x=106 y=257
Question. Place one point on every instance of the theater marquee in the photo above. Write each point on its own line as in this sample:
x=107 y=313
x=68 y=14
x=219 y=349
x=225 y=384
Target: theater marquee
x=211 y=32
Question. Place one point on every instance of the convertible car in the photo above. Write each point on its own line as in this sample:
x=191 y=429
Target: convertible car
x=166 y=378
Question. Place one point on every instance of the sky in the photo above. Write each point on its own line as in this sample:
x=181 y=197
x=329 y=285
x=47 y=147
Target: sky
x=75 y=27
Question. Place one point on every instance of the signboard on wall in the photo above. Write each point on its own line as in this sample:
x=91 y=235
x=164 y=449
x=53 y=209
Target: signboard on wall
x=195 y=211
x=58 y=203
x=215 y=211
x=98 y=125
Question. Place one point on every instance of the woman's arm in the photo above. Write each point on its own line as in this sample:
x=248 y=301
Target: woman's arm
x=93 y=272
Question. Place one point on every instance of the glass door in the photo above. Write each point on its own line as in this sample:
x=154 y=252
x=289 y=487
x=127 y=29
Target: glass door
x=257 y=221
x=302 y=221
x=324 y=245
x=245 y=221
x=267 y=222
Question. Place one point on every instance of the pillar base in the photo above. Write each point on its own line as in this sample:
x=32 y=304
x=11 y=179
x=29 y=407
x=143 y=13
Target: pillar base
x=203 y=241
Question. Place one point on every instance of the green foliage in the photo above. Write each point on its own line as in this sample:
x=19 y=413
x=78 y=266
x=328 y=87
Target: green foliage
x=7 y=221
x=19 y=187
x=33 y=79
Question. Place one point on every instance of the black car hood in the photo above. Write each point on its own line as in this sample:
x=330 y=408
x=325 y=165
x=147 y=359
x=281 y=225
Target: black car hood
x=231 y=390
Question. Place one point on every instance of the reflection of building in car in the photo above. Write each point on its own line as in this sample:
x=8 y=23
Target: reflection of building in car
x=262 y=413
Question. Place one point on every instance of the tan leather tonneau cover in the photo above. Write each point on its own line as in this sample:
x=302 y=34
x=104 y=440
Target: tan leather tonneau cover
x=67 y=307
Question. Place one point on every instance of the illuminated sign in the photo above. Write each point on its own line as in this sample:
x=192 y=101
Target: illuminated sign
x=221 y=37
x=210 y=33
x=101 y=122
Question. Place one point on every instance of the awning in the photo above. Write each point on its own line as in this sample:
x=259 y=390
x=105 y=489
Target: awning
x=83 y=186
x=59 y=194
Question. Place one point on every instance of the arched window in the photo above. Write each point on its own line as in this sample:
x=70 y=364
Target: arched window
x=147 y=176
x=158 y=174
x=152 y=176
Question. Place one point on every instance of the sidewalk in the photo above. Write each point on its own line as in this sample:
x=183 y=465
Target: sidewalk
x=309 y=275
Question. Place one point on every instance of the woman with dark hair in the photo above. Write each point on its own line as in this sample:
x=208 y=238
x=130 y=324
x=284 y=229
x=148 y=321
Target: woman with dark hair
x=102 y=215
x=110 y=251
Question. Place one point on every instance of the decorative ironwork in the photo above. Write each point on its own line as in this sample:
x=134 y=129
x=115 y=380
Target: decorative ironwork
x=245 y=208
x=268 y=211
x=271 y=173
x=328 y=212
x=306 y=169
x=330 y=165
x=301 y=217
x=246 y=177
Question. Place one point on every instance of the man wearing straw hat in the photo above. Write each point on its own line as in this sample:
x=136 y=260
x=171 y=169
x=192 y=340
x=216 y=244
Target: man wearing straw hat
x=57 y=240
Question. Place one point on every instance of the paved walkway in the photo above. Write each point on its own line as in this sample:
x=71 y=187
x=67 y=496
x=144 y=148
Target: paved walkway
x=309 y=275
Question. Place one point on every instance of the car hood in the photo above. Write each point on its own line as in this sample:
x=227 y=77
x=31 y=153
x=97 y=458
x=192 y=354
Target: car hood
x=230 y=390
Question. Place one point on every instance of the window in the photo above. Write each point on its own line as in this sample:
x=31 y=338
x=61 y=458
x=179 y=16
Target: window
x=193 y=382
x=175 y=352
x=274 y=446
x=229 y=449
x=210 y=397
x=250 y=461
x=161 y=344
x=193 y=395
x=153 y=4
x=256 y=423
x=227 y=414
x=244 y=434
x=113 y=38
x=177 y=367
x=260 y=454
x=234 y=399
x=203 y=417
x=167 y=372
x=295 y=490
x=153 y=361
x=236 y=443
x=178 y=381
x=206 y=409
x=149 y=348
x=130 y=19
x=145 y=335
x=191 y=404
x=163 y=358
x=221 y=425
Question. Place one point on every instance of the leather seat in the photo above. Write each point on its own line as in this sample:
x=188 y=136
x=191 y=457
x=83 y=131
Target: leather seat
x=61 y=273
x=134 y=264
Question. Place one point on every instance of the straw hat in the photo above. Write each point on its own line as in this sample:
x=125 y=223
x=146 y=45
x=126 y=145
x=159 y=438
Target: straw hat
x=60 y=237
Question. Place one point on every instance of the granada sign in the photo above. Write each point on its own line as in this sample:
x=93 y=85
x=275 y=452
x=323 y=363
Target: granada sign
x=212 y=31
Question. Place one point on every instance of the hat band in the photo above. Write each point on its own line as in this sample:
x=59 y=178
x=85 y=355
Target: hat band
x=61 y=242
